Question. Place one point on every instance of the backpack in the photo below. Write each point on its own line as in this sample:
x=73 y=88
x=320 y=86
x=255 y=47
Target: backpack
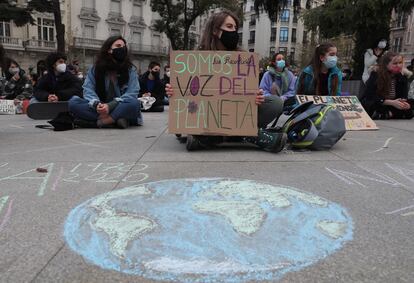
x=62 y=122
x=314 y=126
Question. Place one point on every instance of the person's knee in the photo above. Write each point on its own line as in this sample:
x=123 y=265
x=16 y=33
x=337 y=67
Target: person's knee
x=74 y=102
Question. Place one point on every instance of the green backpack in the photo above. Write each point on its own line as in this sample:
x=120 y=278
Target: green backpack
x=314 y=126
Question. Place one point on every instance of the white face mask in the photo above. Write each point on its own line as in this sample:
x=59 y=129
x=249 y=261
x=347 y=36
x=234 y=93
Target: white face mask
x=61 y=68
x=382 y=44
x=168 y=74
x=14 y=71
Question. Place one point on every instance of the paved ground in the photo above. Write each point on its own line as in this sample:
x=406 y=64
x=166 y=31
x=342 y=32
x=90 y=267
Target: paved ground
x=369 y=174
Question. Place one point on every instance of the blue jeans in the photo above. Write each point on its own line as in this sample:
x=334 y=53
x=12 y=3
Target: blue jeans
x=129 y=109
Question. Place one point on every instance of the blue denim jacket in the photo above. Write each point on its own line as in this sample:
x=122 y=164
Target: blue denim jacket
x=127 y=91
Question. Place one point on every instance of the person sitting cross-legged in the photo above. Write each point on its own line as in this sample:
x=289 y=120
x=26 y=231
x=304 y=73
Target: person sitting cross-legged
x=110 y=90
x=152 y=86
x=58 y=84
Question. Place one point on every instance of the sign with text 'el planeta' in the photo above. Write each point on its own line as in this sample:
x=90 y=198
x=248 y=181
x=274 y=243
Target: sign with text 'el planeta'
x=214 y=93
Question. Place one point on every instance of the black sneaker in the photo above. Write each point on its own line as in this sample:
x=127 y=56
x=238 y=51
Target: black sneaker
x=122 y=123
x=273 y=141
x=193 y=143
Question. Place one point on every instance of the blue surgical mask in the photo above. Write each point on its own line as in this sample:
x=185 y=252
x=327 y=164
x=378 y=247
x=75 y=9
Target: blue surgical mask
x=330 y=61
x=280 y=64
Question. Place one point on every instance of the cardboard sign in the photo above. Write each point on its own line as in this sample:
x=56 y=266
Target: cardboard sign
x=7 y=107
x=356 y=119
x=214 y=93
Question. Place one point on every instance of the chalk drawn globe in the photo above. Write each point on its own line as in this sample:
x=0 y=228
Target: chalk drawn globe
x=207 y=230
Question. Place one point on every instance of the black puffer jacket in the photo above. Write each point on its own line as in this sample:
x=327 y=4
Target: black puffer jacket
x=64 y=86
x=371 y=100
x=158 y=92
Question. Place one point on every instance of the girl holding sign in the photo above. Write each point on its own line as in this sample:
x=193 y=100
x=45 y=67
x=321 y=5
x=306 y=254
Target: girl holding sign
x=221 y=34
x=386 y=95
x=322 y=76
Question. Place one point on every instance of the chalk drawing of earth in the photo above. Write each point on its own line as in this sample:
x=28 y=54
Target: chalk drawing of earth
x=207 y=230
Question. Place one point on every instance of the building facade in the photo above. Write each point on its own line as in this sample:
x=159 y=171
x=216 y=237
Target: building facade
x=267 y=36
x=402 y=35
x=88 y=23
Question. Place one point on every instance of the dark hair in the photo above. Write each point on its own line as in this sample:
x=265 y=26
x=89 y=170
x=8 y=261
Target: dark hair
x=273 y=62
x=106 y=63
x=165 y=67
x=209 y=41
x=52 y=58
x=153 y=64
x=384 y=76
x=7 y=63
x=316 y=62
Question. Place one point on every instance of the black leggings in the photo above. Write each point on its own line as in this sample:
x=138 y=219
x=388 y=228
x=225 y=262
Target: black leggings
x=383 y=112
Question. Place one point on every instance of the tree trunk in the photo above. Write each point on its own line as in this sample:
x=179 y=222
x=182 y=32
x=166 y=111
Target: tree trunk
x=60 y=27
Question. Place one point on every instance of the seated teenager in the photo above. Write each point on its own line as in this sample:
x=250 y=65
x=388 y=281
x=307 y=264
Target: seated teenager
x=110 y=90
x=386 y=93
x=278 y=80
x=152 y=86
x=17 y=85
x=221 y=34
x=321 y=76
x=58 y=84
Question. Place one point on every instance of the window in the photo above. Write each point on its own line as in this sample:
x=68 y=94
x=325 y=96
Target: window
x=272 y=51
x=136 y=37
x=284 y=35
x=292 y=56
x=400 y=22
x=283 y=50
x=5 y=29
x=137 y=10
x=115 y=31
x=252 y=20
x=397 y=44
x=156 y=40
x=89 y=31
x=252 y=36
x=285 y=16
x=273 y=34
x=89 y=4
x=293 y=39
x=116 y=6
x=295 y=17
x=46 y=29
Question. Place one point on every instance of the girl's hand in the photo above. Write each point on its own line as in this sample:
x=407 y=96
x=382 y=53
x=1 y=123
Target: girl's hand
x=259 y=97
x=169 y=90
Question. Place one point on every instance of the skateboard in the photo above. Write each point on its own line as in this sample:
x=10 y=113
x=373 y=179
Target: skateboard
x=46 y=110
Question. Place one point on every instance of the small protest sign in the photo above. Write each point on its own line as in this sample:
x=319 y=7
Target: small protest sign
x=7 y=107
x=356 y=119
x=214 y=93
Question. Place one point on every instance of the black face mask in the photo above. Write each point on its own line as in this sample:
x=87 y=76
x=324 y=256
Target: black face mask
x=229 y=39
x=119 y=53
x=155 y=74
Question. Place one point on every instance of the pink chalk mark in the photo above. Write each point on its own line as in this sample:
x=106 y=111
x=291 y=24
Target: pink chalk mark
x=57 y=179
x=7 y=216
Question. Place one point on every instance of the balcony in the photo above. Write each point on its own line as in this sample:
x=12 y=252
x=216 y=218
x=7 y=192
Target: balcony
x=87 y=43
x=272 y=38
x=11 y=43
x=251 y=41
x=143 y=49
x=40 y=45
x=252 y=23
x=89 y=14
